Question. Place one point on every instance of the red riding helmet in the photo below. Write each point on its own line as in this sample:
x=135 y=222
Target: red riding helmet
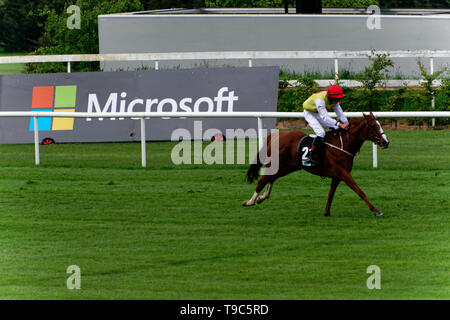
x=335 y=91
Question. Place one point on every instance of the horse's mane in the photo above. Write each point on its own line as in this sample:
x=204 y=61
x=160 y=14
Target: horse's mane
x=356 y=120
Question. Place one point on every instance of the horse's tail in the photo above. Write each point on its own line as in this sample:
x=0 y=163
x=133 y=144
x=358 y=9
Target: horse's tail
x=253 y=171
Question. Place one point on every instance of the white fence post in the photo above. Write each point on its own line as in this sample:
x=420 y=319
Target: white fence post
x=68 y=67
x=259 y=115
x=143 y=145
x=433 y=121
x=336 y=69
x=260 y=133
x=374 y=155
x=36 y=141
x=156 y=65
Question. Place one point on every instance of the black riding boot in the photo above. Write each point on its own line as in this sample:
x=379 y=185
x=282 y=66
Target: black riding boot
x=315 y=149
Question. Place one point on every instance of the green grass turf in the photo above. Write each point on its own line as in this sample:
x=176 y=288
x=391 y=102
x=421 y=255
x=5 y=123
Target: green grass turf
x=140 y=234
x=11 y=68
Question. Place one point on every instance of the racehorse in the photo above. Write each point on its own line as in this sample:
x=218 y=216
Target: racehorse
x=337 y=161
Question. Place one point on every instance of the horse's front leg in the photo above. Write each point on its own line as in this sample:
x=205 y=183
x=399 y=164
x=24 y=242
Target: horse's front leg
x=334 y=184
x=348 y=179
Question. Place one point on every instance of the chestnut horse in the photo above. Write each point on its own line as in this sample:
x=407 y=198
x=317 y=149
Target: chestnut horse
x=337 y=162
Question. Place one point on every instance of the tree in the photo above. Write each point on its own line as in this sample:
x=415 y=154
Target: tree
x=59 y=39
x=243 y=3
x=21 y=25
x=444 y=4
x=22 y=22
x=168 y=4
x=371 y=77
x=349 y=3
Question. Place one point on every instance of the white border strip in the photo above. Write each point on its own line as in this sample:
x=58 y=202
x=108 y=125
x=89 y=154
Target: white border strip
x=381 y=114
x=267 y=15
x=217 y=55
x=259 y=115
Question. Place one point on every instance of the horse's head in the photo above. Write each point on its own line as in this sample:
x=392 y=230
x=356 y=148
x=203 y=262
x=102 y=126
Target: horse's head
x=374 y=132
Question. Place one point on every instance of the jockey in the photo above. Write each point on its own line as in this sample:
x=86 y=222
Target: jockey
x=315 y=110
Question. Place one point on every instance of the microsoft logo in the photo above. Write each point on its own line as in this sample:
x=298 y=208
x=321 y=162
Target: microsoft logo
x=56 y=99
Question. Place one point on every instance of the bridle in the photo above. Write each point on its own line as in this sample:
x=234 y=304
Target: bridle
x=375 y=137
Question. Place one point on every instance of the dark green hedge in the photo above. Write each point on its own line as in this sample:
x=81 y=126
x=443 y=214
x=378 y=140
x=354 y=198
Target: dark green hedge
x=402 y=99
x=291 y=99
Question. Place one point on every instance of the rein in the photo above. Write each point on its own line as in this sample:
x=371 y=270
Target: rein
x=374 y=140
x=341 y=148
x=352 y=134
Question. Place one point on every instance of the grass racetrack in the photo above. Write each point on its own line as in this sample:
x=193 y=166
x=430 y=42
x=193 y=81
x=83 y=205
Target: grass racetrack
x=180 y=232
x=11 y=68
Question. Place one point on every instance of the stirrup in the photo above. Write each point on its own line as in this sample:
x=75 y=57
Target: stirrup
x=310 y=162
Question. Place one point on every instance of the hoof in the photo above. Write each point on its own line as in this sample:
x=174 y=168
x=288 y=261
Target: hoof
x=326 y=214
x=259 y=200
x=246 y=203
x=378 y=214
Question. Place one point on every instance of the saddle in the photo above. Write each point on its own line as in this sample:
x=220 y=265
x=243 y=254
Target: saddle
x=304 y=149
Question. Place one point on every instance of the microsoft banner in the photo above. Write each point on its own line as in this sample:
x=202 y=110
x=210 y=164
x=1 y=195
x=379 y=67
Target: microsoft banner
x=188 y=90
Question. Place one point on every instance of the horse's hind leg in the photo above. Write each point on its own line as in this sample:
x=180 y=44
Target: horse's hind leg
x=261 y=184
x=266 y=193
x=252 y=200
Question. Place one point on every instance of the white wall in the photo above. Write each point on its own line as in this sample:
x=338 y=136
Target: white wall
x=124 y=33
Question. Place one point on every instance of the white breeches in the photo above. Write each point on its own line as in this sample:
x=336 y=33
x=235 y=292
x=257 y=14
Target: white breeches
x=315 y=122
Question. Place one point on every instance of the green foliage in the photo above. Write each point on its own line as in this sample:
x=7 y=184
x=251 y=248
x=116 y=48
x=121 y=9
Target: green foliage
x=429 y=78
x=429 y=91
x=280 y=4
x=443 y=96
x=396 y=100
x=371 y=77
x=168 y=4
x=348 y=3
x=244 y=3
x=22 y=22
x=58 y=39
x=444 y=4
x=374 y=74
x=292 y=99
x=353 y=100
x=20 y=25
x=402 y=99
x=331 y=3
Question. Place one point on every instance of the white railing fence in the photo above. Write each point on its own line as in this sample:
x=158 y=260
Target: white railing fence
x=258 y=115
x=245 y=55
x=226 y=55
x=229 y=55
